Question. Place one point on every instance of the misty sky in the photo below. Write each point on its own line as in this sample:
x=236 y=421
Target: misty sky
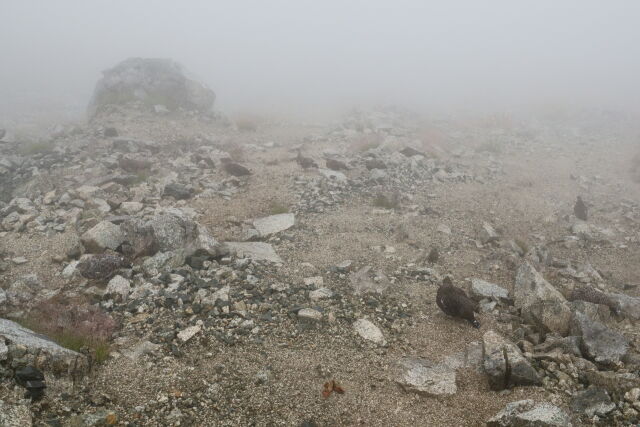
x=307 y=55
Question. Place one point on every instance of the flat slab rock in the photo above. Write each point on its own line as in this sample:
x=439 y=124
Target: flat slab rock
x=599 y=343
x=368 y=331
x=255 y=250
x=425 y=377
x=13 y=333
x=526 y=413
x=274 y=224
x=592 y=401
x=482 y=289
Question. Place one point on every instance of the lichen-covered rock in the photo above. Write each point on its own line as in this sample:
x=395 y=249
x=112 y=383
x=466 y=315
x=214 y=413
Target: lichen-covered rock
x=148 y=82
x=14 y=415
x=539 y=302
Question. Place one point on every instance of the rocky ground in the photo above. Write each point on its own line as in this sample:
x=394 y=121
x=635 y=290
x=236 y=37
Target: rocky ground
x=306 y=295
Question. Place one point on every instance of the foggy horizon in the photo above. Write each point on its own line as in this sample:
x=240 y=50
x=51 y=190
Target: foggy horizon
x=308 y=57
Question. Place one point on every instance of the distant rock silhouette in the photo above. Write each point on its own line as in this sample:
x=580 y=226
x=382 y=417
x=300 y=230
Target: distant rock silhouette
x=580 y=209
x=336 y=165
x=455 y=302
x=375 y=164
x=305 y=162
x=233 y=168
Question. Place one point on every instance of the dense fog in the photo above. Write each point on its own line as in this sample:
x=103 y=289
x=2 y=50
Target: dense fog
x=309 y=56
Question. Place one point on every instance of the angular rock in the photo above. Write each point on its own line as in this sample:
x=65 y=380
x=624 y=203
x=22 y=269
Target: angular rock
x=119 y=286
x=525 y=413
x=368 y=331
x=488 y=234
x=592 y=401
x=255 y=250
x=599 y=343
x=104 y=235
x=629 y=306
x=274 y=224
x=425 y=377
x=309 y=314
x=365 y=280
x=319 y=294
x=178 y=191
x=482 y=289
x=15 y=415
x=139 y=238
x=55 y=358
x=504 y=363
x=188 y=333
x=614 y=382
x=174 y=231
x=539 y=302
x=566 y=345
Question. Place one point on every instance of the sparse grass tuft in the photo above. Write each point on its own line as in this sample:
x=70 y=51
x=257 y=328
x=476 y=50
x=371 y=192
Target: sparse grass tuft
x=73 y=326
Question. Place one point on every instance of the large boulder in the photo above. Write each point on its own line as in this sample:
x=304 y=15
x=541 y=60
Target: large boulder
x=599 y=343
x=147 y=83
x=540 y=303
x=102 y=236
x=25 y=347
x=173 y=230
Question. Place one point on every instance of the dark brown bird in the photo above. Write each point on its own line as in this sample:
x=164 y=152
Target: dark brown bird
x=594 y=296
x=336 y=165
x=455 y=302
x=233 y=168
x=580 y=209
x=305 y=162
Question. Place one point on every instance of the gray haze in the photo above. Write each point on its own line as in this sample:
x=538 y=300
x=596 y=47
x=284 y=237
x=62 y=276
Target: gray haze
x=294 y=56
